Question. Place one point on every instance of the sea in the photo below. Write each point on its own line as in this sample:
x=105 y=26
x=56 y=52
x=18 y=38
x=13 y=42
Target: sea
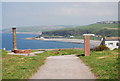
x=23 y=43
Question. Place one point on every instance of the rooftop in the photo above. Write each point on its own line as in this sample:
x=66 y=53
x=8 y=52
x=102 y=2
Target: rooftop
x=112 y=38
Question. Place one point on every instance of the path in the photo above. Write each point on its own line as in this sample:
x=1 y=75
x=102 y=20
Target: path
x=63 y=67
x=25 y=54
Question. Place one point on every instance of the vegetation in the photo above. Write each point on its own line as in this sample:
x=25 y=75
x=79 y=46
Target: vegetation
x=104 y=64
x=68 y=30
x=34 y=50
x=100 y=48
x=22 y=67
x=35 y=29
x=64 y=52
x=98 y=29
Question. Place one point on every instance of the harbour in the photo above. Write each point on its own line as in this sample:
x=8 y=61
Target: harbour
x=22 y=43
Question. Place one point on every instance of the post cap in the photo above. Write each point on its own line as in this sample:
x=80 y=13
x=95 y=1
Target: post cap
x=88 y=34
x=13 y=28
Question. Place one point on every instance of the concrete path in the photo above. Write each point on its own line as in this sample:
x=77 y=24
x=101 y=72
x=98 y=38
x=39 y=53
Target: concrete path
x=63 y=67
x=26 y=54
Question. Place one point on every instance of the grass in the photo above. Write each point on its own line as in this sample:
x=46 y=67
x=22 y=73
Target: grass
x=34 y=50
x=104 y=64
x=22 y=67
x=97 y=27
x=64 y=52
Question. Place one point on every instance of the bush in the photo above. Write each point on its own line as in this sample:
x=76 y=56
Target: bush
x=117 y=49
x=100 y=48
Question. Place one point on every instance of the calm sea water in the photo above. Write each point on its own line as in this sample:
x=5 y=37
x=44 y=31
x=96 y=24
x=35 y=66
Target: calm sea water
x=34 y=44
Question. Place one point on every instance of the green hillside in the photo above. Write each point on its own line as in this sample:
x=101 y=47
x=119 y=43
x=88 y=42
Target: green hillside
x=37 y=28
x=67 y=30
x=98 y=29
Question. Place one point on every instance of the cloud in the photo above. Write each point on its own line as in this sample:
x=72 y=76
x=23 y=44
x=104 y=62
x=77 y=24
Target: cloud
x=60 y=0
x=0 y=15
x=22 y=14
x=77 y=10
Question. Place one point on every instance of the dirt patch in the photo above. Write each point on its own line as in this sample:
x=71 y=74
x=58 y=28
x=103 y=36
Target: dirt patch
x=111 y=28
x=102 y=57
x=116 y=53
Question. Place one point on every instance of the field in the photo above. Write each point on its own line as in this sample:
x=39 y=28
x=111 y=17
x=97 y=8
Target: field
x=37 y=29
x=104 y=64
x=97 y=29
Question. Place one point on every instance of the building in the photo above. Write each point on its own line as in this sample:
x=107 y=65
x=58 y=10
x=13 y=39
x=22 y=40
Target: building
x=71 y=36
x=111 y=42
x=109 y=22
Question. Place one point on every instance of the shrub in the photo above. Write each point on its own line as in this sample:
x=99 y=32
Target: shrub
x=100 y=48
x=117 y=49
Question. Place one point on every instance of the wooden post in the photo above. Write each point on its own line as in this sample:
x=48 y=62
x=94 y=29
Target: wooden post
x=14 y=39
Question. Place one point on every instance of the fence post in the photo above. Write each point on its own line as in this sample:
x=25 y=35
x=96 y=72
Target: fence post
x=87 y=44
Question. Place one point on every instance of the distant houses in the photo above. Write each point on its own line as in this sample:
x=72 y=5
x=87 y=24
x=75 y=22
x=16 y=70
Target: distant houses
x=111 y=42
x=49 y=37
x=108 y=22
x=72 y=36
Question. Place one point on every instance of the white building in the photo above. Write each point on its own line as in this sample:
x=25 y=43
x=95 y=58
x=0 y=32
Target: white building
x=71 y=36
x=111 y=42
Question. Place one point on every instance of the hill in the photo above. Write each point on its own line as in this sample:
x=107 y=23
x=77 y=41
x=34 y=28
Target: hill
x=98 y=29
x=37 y=28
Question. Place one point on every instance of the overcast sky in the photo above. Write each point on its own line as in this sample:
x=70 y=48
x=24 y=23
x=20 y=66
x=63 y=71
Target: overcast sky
x=57 y=13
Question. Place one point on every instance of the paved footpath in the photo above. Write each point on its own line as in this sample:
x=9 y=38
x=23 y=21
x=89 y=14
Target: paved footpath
x=26 y=54
x=63 y=67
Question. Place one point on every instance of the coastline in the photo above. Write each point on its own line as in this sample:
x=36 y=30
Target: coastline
x=94 y=43
x=18 y=32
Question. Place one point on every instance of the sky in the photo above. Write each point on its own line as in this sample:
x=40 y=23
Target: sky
x=57 y=13
x=60 y=0
x=0 y=16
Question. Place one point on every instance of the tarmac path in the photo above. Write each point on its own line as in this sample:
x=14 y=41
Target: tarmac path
x=63 y=67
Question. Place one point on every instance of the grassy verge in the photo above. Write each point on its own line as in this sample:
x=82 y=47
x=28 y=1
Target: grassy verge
x=34 y=50
x=64 y=52
x=104 y=64
x=22 y=67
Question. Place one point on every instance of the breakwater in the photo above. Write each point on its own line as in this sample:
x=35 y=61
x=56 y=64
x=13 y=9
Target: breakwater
x=93 y=43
